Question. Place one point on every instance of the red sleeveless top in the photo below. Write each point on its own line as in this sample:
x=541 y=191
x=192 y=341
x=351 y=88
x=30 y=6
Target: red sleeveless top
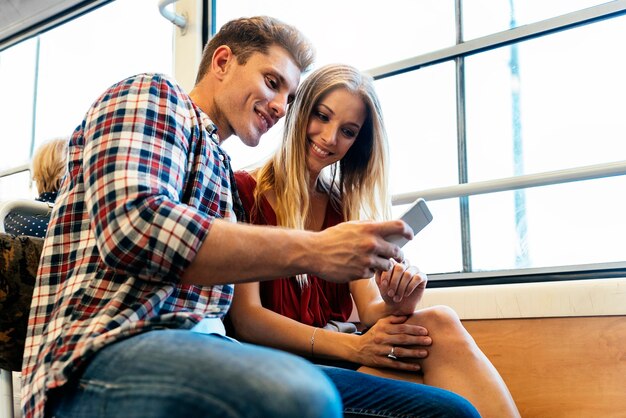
x=315 y=304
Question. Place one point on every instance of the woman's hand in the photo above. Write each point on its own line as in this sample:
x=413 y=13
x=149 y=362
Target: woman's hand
x=402 y=287
x=409 y=343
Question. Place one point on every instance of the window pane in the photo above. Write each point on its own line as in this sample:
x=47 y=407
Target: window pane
x=364 y=33
x=17 y=186
x=17 y=75
x=484 y=17
x=81 y=58
x=566 y=224
x=437 y=248
x=420 y=115
x=571 y=103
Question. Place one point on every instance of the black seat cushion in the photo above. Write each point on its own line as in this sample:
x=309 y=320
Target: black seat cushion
x=19 y=259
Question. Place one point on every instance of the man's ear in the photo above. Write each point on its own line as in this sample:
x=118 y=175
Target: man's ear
x=223 y=58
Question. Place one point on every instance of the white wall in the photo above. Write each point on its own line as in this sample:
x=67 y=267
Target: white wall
x=528 y=300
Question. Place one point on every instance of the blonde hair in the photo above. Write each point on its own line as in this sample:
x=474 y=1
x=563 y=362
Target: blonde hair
x=50 y=164
x=357 y=184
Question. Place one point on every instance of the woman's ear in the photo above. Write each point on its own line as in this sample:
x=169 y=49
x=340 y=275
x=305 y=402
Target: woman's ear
x=222 y=60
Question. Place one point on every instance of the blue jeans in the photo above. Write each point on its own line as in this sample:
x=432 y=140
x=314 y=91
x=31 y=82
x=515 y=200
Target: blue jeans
x=178 y=373
x=365 y=395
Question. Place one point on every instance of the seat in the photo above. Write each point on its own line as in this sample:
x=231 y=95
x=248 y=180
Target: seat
x=19 y=260
x=35 y=211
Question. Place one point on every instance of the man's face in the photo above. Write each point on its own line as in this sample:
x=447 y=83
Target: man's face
x=255 y=95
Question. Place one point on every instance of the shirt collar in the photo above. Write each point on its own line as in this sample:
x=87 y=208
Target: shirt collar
x=210 y=126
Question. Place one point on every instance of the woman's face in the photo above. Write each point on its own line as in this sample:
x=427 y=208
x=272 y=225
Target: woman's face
x=333 y=127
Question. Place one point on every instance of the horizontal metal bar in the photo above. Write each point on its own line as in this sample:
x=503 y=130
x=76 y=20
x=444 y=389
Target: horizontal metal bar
x=589 y=172
x=15 y=170
x=536 y=271
x=497 y=40
x=569 y=276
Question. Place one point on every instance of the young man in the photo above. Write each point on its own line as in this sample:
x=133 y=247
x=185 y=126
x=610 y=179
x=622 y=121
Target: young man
x=143 y=248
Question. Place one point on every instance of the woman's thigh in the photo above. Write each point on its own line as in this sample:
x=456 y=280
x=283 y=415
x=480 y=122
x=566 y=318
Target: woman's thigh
x=366 y=395
x=177 y=373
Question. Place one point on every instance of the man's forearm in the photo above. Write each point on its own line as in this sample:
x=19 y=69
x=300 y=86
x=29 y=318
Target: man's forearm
x=235 y=253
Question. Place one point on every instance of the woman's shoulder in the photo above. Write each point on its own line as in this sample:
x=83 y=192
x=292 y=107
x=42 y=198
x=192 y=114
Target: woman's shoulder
x=245 y=180
x=245 y=186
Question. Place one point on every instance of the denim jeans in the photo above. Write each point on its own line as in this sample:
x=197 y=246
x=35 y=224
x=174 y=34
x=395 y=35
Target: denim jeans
x=364 y=395
x=178 y=373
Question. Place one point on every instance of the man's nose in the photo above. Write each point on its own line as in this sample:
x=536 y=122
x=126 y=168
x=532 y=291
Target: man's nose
x=279 y=105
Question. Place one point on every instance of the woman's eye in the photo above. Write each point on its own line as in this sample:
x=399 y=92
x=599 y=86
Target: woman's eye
x=322 y=116
x=349 y=133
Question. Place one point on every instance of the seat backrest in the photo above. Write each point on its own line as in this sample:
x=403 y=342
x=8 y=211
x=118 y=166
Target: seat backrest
x=24 y=207
x=19 y=260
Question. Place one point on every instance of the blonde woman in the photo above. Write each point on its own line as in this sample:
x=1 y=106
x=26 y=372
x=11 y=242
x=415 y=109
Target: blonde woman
x=332 y=168
x=49 y=165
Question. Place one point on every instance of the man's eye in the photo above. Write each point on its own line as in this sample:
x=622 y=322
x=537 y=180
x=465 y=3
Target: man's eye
x=272 y=82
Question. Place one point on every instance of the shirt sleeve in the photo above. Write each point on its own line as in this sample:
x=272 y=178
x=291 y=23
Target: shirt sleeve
x=137 y=141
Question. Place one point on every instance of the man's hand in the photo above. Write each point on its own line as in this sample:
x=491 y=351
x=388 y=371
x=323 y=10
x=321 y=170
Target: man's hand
x=355 y=250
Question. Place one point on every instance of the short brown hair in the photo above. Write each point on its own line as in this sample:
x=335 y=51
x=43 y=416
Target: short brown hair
x=245 y=36
x=50 y=164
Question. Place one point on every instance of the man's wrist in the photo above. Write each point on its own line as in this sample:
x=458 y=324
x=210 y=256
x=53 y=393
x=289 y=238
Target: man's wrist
x=303 y=256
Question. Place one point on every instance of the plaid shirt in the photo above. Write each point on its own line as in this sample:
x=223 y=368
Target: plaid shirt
x=146 y=179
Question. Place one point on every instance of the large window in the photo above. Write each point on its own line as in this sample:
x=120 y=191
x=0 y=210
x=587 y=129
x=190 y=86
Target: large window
x=477 y=92
x=49 y=81
x=506 y=116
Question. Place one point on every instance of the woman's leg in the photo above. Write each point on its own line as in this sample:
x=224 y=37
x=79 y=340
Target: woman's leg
x=178 y=373
x=457 y=364
x=366 y=395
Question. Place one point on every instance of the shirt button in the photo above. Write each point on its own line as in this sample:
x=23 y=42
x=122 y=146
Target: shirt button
x=221 y=157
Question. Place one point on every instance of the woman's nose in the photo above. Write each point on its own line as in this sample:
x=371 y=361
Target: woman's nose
x=329 y=135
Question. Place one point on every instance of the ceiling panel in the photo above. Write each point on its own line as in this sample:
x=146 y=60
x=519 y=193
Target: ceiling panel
x=22 y=18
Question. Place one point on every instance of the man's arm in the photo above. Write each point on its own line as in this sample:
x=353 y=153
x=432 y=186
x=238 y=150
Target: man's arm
x=234 y=253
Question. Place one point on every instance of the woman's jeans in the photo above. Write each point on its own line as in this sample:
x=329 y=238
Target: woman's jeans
x=365 y=395
x=178 y=373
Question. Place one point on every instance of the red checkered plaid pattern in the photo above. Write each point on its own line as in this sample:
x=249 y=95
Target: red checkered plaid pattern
x=146 y=179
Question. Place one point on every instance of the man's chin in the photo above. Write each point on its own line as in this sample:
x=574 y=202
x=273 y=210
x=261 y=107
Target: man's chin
x=250 y=140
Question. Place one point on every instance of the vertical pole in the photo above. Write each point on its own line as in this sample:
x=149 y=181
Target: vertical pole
x=522 y=258
x=466 y=246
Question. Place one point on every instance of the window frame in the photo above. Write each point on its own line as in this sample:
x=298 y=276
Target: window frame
x=464 y=189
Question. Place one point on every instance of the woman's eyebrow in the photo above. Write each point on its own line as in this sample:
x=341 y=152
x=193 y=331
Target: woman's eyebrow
x=326 y=107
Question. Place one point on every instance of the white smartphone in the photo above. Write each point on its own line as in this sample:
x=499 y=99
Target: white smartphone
x=417 y=217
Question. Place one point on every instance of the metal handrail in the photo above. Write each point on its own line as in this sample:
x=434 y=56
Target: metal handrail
x=178 y=20
x=617 y=168
x=507 y=37
x=15 y=170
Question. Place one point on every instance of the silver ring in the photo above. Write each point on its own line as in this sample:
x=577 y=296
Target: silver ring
x=391 y=354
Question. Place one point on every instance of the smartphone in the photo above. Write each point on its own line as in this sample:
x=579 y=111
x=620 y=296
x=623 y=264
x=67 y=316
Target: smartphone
x=417 y=217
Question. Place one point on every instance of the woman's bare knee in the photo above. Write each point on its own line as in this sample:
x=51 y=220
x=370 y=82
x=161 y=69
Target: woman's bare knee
x=436 y=316
x=444 y=326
